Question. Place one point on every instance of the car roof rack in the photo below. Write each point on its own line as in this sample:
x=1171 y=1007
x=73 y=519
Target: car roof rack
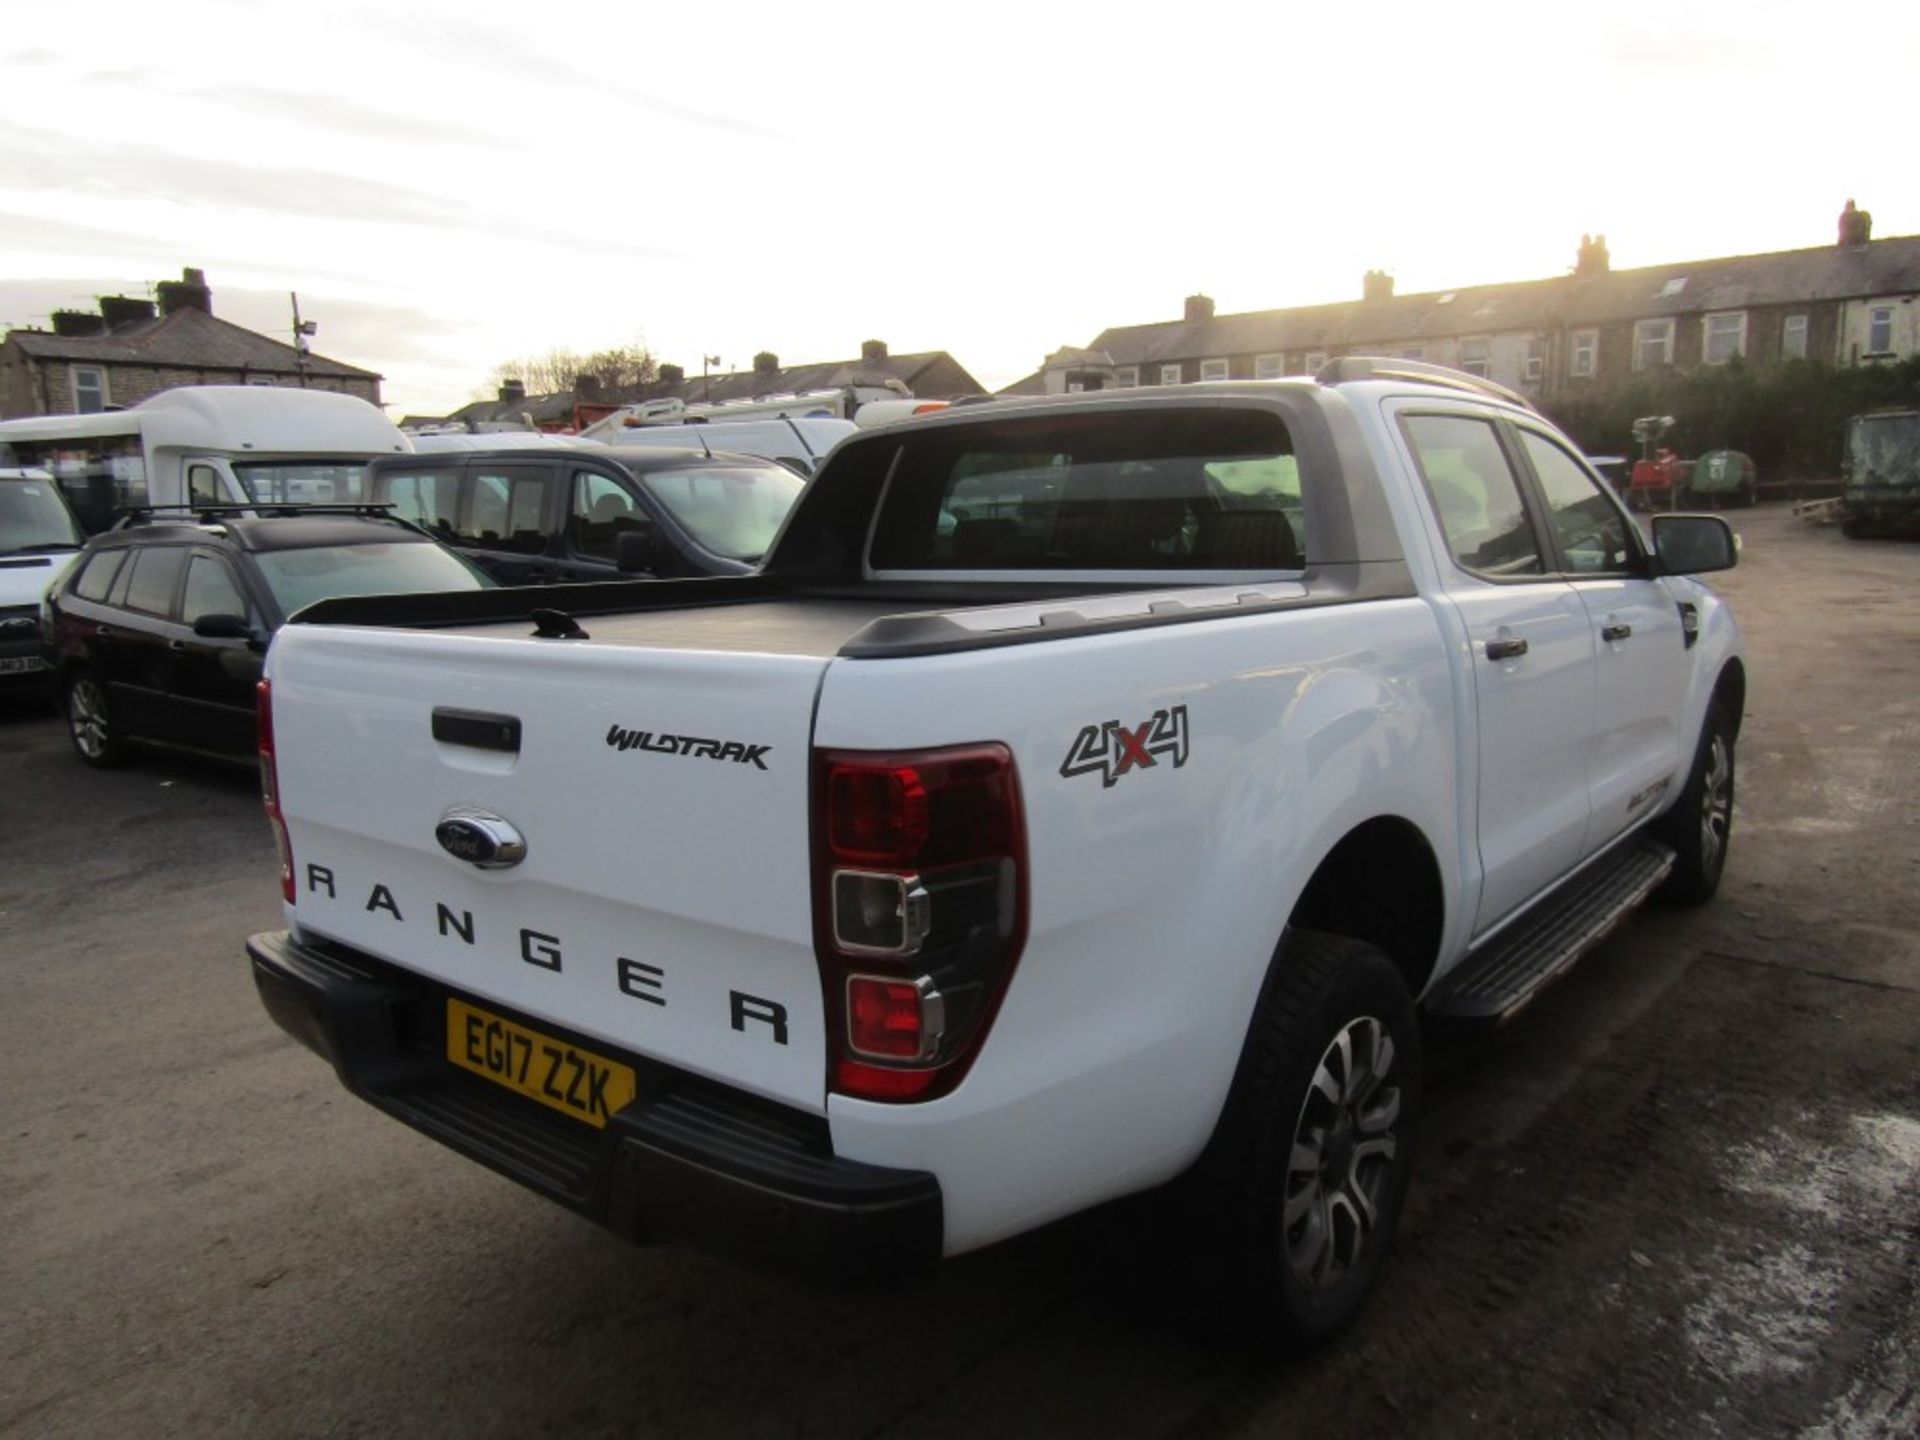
x=207 y=513
x=1345 y=369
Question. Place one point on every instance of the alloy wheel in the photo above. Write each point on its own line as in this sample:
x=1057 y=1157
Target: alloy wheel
x=1716 y=804
x=87 y=715
x=1344 y=1146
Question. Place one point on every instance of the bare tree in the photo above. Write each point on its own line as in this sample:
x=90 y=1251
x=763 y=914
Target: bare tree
x=619 y=368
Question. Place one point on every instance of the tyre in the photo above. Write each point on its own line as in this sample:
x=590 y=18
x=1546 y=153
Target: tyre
x=1700 y=825
x=90 y=723
x=1302 y=1184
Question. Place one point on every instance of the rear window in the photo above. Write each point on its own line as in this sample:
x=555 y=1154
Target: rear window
x=299 y=578
x=1188 y=489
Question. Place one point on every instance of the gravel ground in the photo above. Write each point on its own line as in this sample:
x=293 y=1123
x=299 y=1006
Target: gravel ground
x=1680 y=1197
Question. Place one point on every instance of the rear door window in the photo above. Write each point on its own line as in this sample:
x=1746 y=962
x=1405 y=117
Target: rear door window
x=1475 y=495
x=156 y=578
x=1137 y=490
x=602 y=509
x=506 y=509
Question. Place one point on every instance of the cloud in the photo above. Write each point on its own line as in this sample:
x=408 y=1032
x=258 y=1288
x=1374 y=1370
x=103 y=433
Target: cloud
x=341 y=115
x=40 y=160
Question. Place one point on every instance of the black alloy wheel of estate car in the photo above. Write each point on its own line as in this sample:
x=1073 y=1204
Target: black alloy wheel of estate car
x=159 y=631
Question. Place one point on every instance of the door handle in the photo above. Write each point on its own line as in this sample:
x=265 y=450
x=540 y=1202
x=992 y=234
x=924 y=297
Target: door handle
x=177 y=646
x=103 y=630
x=1615 y=632
x=1507 y=648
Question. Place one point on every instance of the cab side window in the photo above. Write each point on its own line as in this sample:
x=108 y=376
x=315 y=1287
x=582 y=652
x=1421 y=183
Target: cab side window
x=602 y=508
x=156 y=575
x=1591 y=531
x=203 y=485
x=1475 y=494
x=211 y=590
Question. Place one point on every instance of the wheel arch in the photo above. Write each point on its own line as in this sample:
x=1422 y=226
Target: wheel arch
x=1381 y=884
x=1730 y=692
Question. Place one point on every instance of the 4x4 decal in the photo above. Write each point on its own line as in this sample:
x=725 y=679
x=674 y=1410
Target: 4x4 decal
x=1112 y=749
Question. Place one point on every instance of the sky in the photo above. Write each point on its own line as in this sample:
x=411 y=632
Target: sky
x=451 y=186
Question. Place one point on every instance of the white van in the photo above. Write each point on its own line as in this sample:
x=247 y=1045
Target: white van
x=206 y=444
x=798 y=442
x=38 y=540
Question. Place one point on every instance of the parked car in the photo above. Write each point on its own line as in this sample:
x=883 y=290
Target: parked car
x=158 y=633
x=38 y=539
x=595 y=512
x=799 y=442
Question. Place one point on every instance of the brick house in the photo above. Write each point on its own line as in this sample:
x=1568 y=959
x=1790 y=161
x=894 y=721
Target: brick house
x=929 y=374
x=135 y=348
x=1857 y=302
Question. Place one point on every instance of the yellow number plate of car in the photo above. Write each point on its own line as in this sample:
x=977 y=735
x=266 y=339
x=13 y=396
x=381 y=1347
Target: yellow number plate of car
x=560 y=1076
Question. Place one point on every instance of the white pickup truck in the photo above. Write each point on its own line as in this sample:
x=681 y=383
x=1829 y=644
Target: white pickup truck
x=1091 y=791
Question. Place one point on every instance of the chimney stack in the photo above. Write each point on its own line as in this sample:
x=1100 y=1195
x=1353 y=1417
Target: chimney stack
x=78 y=322
x=1593 y=258
x=766 y=363
x=189 y=292
x=1856 y=225
x=118 y=310
x=1376 y=285
x=1199 y=307
x=673 y=375
x=872 y=352
x=512 y=391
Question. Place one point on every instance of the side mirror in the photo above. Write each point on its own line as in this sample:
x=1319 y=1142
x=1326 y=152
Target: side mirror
x=637 y=551
x=1694 y=544
x=228 y=627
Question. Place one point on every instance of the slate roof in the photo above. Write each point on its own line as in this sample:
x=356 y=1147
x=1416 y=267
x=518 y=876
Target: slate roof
x=556 y=408
x=188 y=339
x=791 y=379
x=1739 y=282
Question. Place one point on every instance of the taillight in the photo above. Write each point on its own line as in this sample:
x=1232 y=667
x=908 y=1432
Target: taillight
x=270 y=787
x=920 y=911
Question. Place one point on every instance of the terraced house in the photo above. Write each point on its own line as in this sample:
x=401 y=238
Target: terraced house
x=1851 y=303
x=131 y=348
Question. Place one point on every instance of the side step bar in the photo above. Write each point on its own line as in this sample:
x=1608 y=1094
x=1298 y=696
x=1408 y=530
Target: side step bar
x=1494 y=984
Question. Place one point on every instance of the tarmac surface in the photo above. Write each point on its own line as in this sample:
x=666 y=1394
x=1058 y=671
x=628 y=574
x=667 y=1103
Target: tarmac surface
x=1679 y=1197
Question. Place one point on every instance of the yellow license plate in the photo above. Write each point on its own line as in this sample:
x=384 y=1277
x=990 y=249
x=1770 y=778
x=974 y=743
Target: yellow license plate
x=560 y=1076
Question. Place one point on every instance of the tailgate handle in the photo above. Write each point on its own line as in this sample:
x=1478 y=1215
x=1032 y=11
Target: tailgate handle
x=477 y=728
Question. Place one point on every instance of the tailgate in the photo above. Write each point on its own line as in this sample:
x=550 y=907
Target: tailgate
x=663 y=903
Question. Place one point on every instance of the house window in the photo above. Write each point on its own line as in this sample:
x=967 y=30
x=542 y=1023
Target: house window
x=1880 y=330
x=1793 y=338
x=1583 y=354
x=1724 y=337
x=1269 y=367
x=1169 y=374
x=1213 y=369
x=1126 y=377
x=89 y=389
x=1652 y=343
x=1474 y=355
x=1536 y=362
x=1315 y=359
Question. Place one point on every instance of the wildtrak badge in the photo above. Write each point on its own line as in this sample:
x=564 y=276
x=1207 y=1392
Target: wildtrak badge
x=696 y=746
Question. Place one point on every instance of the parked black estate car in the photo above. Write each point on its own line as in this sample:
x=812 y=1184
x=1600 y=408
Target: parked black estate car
x=159 y=630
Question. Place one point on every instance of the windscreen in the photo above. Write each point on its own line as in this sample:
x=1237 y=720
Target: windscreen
x=1176 y=489
x=732 y=510
x=301 y=482
x=33 y=518
x=299 y=578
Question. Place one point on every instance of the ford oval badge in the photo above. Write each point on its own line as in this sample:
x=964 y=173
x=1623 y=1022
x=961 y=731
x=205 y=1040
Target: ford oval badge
x=480 y=837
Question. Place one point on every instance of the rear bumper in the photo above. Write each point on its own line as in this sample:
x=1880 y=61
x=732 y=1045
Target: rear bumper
x=686 y=1160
